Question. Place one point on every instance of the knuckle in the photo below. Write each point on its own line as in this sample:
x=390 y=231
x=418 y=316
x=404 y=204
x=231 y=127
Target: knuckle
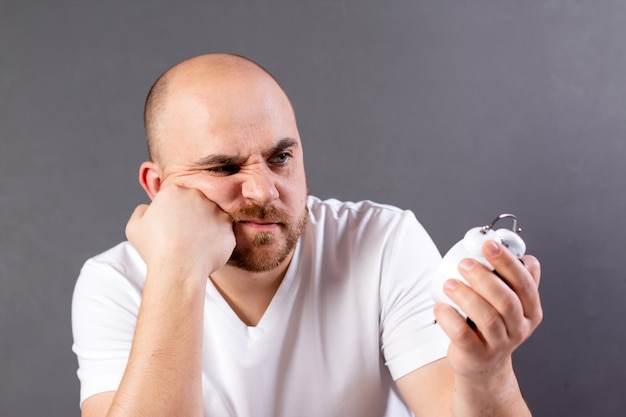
x=519 y=337
x=462 y=335
x=537 y=317
x=492 y=321
x=527 y=288
x=128 y=231
x=510 y=305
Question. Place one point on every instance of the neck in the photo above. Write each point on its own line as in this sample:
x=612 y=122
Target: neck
x=249 y=293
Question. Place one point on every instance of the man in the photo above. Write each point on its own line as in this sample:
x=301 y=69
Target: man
x=240 y=295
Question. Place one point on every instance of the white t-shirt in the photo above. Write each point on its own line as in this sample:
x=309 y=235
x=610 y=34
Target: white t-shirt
x=352 y=314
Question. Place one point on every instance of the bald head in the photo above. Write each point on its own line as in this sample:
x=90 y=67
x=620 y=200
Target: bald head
x=213 y=75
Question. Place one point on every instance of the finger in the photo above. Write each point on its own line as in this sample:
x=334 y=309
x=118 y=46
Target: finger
x=475 y=302
x=519 y=277
x=503 y=315
x=456 y=327
x=137 y=214
x=139 y=211
x=534 y=267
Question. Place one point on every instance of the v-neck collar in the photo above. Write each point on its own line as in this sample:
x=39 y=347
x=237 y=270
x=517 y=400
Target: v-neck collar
x=271 y=314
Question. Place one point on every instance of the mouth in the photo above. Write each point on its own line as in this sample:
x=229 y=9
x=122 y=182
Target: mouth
x=260 y=225
x=255 y=219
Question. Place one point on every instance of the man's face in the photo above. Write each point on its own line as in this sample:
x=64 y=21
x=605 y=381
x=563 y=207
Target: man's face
x=239 y=145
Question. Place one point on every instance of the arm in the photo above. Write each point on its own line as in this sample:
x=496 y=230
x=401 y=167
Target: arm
x=477 y=377
x=182 y=237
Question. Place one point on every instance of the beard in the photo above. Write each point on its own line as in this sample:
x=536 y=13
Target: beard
x=267 y=250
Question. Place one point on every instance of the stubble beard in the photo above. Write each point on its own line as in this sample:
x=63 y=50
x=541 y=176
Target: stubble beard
x=267 y=250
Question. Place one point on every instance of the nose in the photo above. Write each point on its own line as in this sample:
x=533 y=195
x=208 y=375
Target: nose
x=259 y=186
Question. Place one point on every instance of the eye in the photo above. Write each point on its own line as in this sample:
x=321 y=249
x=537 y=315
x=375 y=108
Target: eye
x=280 y=159
x=224 y=170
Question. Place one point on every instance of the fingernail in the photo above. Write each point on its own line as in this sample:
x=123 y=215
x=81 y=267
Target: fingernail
x=451 y=284
x=492 y=248
x=466 y=264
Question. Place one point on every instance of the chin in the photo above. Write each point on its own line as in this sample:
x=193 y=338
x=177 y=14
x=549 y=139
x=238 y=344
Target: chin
x=266 y=251
x=260 y=261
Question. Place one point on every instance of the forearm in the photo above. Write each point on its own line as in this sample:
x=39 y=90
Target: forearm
x=163 y=375
x=494 y=396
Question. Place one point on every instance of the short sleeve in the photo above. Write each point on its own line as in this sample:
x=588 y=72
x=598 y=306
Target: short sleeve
x=410 y=338
x=105 y=305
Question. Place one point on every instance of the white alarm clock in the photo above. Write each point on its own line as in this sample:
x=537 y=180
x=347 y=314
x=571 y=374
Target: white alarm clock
x=470 y=247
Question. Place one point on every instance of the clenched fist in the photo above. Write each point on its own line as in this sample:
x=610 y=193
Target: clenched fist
x=182 y=230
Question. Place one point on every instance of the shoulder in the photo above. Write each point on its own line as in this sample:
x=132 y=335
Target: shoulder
x=366 y=211
x=118 y=266
x=364 y=227
x=368 y=225
x=122 y=256
x=362 y=219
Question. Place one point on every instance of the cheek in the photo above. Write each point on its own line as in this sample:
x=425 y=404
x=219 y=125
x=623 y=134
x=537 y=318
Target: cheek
x=295 y=191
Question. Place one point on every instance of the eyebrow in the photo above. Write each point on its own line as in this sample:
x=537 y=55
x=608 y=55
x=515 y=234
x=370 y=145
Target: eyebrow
x=223 y=159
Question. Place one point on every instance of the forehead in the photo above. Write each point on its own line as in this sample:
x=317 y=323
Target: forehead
x=233 y=115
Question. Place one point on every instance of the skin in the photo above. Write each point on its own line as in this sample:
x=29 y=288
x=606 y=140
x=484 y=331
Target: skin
x=237 y=113
x=478 y=367
x=225 y=143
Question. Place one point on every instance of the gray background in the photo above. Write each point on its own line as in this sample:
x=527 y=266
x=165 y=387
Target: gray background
x=458 y=110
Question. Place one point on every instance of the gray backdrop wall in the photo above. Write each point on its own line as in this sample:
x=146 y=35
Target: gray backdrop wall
x=458 y=110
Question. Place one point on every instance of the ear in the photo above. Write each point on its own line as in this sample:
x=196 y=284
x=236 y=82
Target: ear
x=150 y=178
